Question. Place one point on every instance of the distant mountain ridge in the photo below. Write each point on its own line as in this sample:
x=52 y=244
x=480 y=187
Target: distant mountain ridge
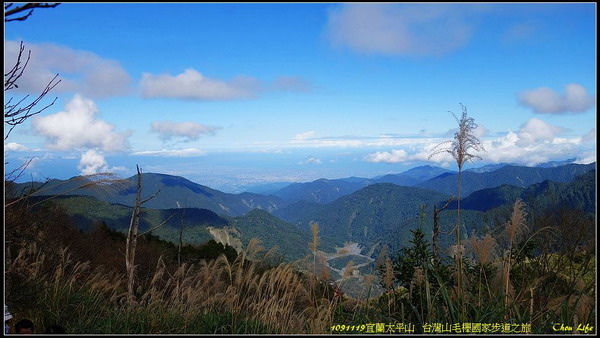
x=377 y=213
x=365 y=215
x=175 y=191
x=438 y=179
x=578 y=193
x=413 y=176
x=179 y=192
x=512 y=175
x=325 y=191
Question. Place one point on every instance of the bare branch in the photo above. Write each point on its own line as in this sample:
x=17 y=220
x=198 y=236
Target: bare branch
x=158 y=226
x=23 y=8
x=16 y=173
x=151 y=197
x=14 y=113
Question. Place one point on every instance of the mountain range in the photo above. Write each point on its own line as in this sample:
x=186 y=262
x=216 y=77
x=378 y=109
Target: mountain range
x=171 y=192
x=356 y=216
x=175 y=191
x=376 y=213
x=325 y=191
x=200 y=225
x=512 y=175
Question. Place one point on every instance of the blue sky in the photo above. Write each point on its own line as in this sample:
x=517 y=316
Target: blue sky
x=234 y=94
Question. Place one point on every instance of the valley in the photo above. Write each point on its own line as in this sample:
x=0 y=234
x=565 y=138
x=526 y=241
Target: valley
x=353 y=214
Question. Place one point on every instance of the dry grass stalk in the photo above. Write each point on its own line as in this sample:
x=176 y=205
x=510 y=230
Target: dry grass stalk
x=484 y=249
x=388 y=278
x=514 y=229
x=278 y=297
x=461 y=148
x=383 y=255
x=348 y=270
x=314 y=228
x=419 y=277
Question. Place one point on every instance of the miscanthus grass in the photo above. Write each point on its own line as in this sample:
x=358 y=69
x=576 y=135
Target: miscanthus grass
x=217 y=296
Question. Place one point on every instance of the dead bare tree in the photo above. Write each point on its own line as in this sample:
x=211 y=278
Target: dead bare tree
x=16 y=13
x=437 y=230
x=132 y=236
x=181 y=225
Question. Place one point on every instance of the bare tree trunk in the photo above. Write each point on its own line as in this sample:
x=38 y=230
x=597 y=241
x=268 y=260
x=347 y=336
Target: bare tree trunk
x=436 y=230
x=132 y=239
x=180 y=237
x=435 y=233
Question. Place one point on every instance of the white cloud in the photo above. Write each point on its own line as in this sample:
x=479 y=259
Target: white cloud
x=79 y=71
x=77 y=127
x=546 y=101
x=300 y=137
x=308 y=139
x=401 y=29
x=194 y=86
x=311 y=160
x=189 y=152
x=535 y=142
x=480 y=131
x=587 y=158
x=419 y=151
x=12 y=146
x=536 y=130
x=188 y=130
x=92 y=162
x=394 y=156
x=332 y=142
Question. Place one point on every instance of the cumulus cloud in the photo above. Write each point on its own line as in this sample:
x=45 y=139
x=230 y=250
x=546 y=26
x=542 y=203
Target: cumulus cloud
x=536 y=131
x=78 y=127
x=12 y=146
x=535 y=142
x=92 y=162
x=509 y=149
x=400 y=29
x=79 y=71
x=189 y=152
x=418 y=151
x=544 y=100
x=189 y=131
x=193 y=85
x=480 y=131
x=394 y=156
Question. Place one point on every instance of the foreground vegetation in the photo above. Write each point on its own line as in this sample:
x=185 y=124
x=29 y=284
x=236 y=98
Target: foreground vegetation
x=530 y=273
